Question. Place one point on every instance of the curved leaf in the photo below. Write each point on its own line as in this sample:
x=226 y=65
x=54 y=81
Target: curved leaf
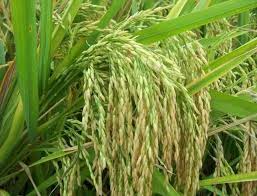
x=187 y=22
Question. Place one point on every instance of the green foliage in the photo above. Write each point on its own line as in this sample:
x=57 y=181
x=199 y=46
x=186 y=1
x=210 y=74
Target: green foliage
x=223 y=65
x=128 y=97
x=161 y=186
x=175 y=26
x=61 y=29
x=85 y=42
x=232 y=105
x=24 y=26
x=252 y=176
x=45 y=42
x=2 y=60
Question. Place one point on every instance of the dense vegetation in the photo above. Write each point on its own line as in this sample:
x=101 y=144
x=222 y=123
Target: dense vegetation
x=128 y=97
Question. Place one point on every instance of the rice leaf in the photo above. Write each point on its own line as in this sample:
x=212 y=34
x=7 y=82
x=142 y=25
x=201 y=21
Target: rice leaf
x=45 y=42
x=251 y=45
x=61 y=29
x=6 y=87
x=245 y=177
x=44 y=185
x=213 y=42
x=176 y=10
x=243 y=20
x=13 y=135
x=217 y=73
x=27 y=171
x=53 y=180
x=96 y=2
x=2 y=60
x=161 y=186
x=202 y=4
x=148 y=4
x=225 y=127
x=193 y=20
x=215 y=190
x=222 y=65
x=24 y=28
x=232 y=105
x=189 y=7
x=51 y=157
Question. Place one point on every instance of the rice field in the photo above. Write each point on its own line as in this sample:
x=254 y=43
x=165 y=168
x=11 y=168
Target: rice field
x=128 y=97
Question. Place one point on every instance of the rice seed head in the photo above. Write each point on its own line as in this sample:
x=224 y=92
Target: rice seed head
x=136 y=110
x=248 y=161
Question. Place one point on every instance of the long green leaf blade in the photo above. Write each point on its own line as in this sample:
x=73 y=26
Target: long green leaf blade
x=176 y=10
x=45 y=42
x=44 y=185
x=50 y=157
x=201 y=5
x=24 y=28
x=223 y=65
x=245 y=177
x=13 y=135
x=2 y=60
x=251 y=45
x=243 y=20
x=184 y=23
x=232 y=105
x=225 y=127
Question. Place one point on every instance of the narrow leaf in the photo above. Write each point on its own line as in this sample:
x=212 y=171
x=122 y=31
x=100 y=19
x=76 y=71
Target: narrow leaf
x=232 y=105
x=217 y=73
x=2 y=60
x=214 y=42
x=245 y=177
x=6 y=87
x=190 y=21
x=148 y=4
x=189 y=7
x=176 y=10
x=225 y=127
x=222 y=65
x=202 y=4
x=251 y=45
x=243 y=20
x=61 y=29
x=215 y=190
x=161 y=186
x=51 y=157
x=24 y=27
x=44 y=185
x=27 y=171
x=13 y=135
x=45 y=42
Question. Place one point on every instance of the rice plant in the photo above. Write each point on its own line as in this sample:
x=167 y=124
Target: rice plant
x=136 y=97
